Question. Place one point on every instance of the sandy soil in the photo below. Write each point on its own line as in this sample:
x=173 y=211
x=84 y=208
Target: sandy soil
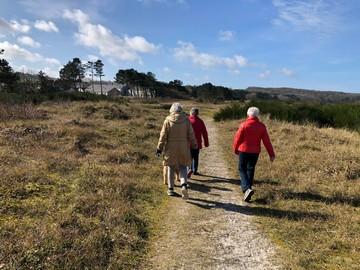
x=214 y=228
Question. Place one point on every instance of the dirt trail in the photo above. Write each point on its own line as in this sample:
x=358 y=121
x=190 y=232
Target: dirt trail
x=213 y=229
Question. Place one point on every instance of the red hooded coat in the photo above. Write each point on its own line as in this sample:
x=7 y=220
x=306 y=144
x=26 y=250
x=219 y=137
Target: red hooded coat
x=199 y=130
x=249 y=136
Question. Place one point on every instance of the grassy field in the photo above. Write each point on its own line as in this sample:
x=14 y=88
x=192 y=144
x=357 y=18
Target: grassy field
x=308 y=199
x=80 y=187
x=73 y=192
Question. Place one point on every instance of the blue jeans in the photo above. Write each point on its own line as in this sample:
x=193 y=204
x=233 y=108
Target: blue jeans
x=247 y=163
x=195 y=159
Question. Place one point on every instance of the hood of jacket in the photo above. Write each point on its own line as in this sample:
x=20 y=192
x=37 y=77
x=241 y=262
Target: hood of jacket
x=177 y=118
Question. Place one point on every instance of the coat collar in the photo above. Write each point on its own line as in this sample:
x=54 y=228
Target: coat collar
x=252 y=119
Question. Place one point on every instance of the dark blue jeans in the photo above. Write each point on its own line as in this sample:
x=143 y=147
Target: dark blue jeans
x=247 y=163
x=195 y=159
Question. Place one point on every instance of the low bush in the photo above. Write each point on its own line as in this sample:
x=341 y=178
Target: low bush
x=322 y=115
x=23 y=111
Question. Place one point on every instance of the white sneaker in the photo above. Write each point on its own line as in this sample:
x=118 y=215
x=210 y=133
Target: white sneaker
x=248 y=193
x=170 y=192
x=184 y=193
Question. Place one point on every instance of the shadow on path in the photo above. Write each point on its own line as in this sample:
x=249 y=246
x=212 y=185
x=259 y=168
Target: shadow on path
x=217 y=179
x=259 y=211
x=205 y=188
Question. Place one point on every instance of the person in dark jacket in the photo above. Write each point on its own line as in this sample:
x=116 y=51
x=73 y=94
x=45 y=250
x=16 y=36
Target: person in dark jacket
x=200 y=133
x=247 y=144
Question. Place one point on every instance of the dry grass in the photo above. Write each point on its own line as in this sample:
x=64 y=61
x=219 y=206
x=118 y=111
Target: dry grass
x=73 y=192
x=24 y=111
x=308 y=199
x=74 y=195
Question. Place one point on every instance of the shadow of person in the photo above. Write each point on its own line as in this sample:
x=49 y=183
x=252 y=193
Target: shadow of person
x=217 y=179
x=259 y=211
x=205 y=188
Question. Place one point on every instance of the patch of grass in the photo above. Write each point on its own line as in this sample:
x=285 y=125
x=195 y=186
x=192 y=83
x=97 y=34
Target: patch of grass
x=308 y=199
x=23 y=111
x=73 y=192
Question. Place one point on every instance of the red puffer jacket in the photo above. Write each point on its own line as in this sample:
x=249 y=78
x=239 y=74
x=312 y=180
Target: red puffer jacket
x=199 y=130
x=249 y=135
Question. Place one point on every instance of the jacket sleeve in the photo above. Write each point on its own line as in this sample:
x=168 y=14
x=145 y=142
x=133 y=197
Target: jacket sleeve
x=163 y=136
x=191 y=136
x=238 y=138
x=205 y=134
x=267 y=143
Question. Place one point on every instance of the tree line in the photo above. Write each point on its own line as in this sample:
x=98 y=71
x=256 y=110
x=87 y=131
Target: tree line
x=72 y=78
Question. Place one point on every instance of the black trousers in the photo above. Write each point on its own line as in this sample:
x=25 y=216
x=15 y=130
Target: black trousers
x=195 y=159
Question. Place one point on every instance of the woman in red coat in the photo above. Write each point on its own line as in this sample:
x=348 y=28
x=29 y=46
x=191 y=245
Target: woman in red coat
x=247 y=144
x=200 y=132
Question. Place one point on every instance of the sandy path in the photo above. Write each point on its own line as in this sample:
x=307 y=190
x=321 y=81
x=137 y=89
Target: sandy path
x=213 y=229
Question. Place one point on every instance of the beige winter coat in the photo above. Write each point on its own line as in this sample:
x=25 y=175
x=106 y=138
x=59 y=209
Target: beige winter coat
x=176 y=137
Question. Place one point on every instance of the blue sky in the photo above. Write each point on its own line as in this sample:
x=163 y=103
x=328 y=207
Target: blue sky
x=312 y=44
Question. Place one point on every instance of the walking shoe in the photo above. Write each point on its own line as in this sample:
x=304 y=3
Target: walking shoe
x=189 y=173
x=196 y=173
x=171 y=192
x=184 y=193
x=248 y=193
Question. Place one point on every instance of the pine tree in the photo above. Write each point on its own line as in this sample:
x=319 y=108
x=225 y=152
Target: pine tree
x=99 y=72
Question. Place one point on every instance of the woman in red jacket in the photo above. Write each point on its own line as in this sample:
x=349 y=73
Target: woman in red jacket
x=246 y=144
x=200 y=132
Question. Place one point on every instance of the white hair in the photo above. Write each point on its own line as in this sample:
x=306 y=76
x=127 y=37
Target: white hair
x=175 y=107
x=253 y=111
x=194 y=111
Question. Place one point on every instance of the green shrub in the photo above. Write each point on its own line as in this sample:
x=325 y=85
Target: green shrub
x=323 y=115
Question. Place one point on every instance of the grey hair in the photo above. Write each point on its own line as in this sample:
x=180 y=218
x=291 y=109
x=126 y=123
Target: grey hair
x=194 y=111
x=253 y=111
x=175 y=107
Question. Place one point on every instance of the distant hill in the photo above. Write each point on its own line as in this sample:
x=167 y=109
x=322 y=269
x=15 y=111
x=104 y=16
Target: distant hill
x=294 y=94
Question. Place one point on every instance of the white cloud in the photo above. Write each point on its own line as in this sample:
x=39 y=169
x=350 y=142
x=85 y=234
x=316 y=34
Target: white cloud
x=265 y=74
x=187 y=51
x=28 y=41
x=14 y=52
x=92 y=57
x=315 y=15
x=5 y=26
x=23 y=27
x=287 y=72
x=110 y=45
x=226 y=35
x=47 y=26
x=50 y=71
x=14 y=26
x=166 y=69
x=46 y=8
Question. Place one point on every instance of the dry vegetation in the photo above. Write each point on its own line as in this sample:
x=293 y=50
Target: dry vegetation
x=73 y=192
x=74 y=195
x=308 y=199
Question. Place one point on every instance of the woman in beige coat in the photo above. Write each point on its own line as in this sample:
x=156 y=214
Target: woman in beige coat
x=176 y=138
